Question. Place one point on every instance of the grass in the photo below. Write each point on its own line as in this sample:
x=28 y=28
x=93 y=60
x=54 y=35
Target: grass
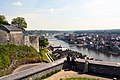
x=12 y=56
x=79 y=79
x=42 y=52
x=53 y=56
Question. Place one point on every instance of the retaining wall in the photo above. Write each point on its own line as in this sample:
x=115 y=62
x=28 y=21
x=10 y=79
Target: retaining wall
x=97 y=67
x=35 y=72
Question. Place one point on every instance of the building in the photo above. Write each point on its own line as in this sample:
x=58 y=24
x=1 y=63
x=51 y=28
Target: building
x=12 y=35
x=3 y=37
x=33 y=41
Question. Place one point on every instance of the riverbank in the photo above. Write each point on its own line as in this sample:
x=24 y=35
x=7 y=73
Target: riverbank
x=85 y=46
x=85 y=51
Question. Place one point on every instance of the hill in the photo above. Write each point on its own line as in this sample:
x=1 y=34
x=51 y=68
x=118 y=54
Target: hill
x=11 y=56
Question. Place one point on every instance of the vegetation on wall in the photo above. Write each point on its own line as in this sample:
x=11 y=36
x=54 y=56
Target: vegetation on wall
x=43 y=52
x=12 y=56
x=48 y=75
x=53 y=56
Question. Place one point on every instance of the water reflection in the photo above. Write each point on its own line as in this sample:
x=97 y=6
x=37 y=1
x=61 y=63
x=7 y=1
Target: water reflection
x=85 y=51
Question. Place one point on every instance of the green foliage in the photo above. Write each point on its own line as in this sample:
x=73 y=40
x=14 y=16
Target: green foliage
x=12 y=55
x=43 y=42
x=42 y=52
x=19 y=22
x=3 y=20
x=53 y=56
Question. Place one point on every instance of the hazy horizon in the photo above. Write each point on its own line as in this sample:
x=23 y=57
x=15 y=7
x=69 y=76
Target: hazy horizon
x=69 y=30
x=64 y=14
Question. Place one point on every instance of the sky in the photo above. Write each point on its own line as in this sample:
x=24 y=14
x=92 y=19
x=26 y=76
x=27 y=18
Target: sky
x=64 y=14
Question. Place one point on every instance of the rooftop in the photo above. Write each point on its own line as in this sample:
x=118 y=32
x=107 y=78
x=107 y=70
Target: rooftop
x=12 y=28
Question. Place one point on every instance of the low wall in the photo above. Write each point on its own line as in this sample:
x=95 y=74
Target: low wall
x=35 y=72
x=111 y=69
x=97 y=67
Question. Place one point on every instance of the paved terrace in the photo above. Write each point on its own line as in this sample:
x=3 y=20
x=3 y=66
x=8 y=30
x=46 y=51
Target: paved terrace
x=73 y=74
x=100 y=67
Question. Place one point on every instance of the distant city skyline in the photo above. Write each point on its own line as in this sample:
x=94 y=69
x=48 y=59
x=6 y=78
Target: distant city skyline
x=64 y=14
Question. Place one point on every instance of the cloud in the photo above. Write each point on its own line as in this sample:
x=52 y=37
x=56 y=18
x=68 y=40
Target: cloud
x=39 y=21
x=51 y=10
x=93 y=14
x=18 y=3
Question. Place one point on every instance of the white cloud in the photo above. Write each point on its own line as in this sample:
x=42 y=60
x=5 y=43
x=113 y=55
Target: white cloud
x=94 y=14
x=37 y=21
x=51 y=10
x=18 y=3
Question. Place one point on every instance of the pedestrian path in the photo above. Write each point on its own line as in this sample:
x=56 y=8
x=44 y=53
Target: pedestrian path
x=26 y=66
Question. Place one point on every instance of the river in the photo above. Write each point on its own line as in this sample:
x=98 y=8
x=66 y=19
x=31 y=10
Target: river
x=85 y=51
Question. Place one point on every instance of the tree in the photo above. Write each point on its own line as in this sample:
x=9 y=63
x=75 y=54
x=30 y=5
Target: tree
x=19 y=22
x=43 y=42
x=3 y=20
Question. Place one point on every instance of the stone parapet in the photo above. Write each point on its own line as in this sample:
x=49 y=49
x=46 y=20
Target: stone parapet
x=35 y=72
x=111 y=69
x=96 y=67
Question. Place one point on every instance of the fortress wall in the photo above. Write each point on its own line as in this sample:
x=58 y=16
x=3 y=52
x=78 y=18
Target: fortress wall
x=17 y=38
x=100 y=67
x=3 y=37
x=96 y=67
x=35 y=72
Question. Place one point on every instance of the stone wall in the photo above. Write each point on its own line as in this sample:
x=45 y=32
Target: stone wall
x=12 y=37
x=32 y=41
x=35 y=72
x=3 y=37
x=16 y=38
x=96 y=67
x=26 y=41
x=44 y=72
x=111 y=69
